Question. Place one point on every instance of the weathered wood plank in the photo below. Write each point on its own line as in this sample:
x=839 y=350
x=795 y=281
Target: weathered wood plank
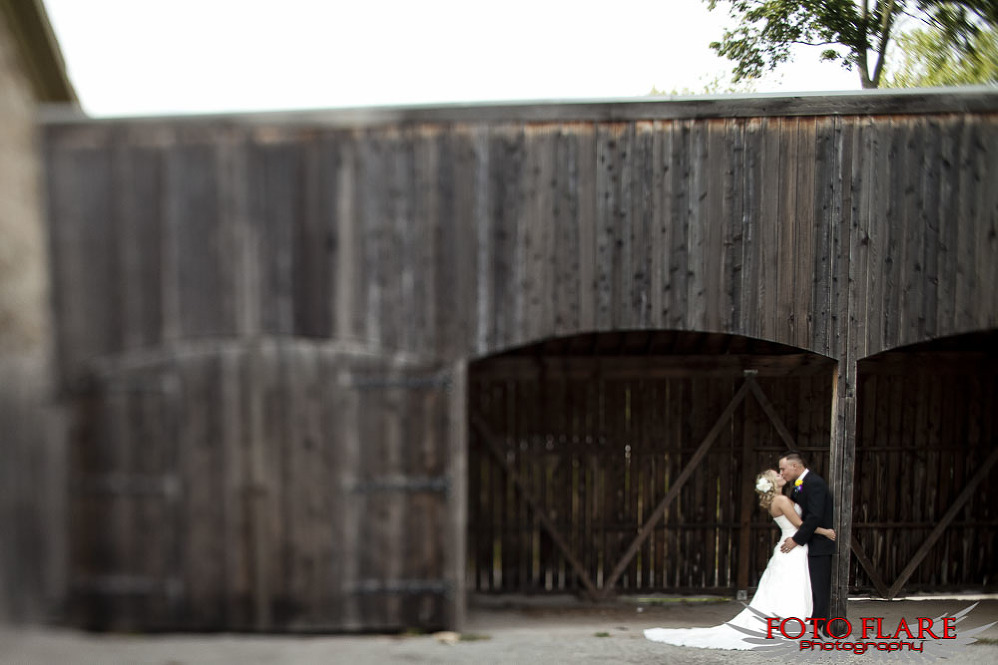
x=841 y=222
x=235 y=433
x=203 y=520
x=200 y=265
x=734 y=212
x=697 y=247
x=403 y=303
x=752 y=222
x=138 y=215
x=276 y=176
x=770 y=231
x=680 y=204
x=643 y=197
x=539 y=230
x=587 y=155
x=804 y=259
x=715 y=251
x=911 y=276
x=967 y=270
x=260 y=489
x=506 y=157
x=80 y=192
x=862 y=197
x=790 y=164
x=611 y=141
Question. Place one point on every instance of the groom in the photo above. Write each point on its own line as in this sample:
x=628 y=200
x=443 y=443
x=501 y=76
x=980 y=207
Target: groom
x=811 y=492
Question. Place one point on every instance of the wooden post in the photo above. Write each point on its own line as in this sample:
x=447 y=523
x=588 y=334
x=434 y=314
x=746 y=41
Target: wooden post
x=842 y=459
x=458 y=495
x=259 y=490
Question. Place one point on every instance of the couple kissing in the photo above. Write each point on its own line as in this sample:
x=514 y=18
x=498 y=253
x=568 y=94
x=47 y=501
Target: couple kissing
x=797 y=579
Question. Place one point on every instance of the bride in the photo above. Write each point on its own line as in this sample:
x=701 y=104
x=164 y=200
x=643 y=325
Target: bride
x=784 y=589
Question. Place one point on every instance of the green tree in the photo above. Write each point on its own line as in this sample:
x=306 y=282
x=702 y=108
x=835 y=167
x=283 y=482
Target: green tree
x=929 y=60
x=858 y=33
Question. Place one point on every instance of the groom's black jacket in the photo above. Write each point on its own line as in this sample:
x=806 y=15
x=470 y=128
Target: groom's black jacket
x=816 y=504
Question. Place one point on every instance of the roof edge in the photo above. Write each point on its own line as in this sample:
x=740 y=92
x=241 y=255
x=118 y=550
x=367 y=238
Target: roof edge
x=41 y=56
x=971 y=99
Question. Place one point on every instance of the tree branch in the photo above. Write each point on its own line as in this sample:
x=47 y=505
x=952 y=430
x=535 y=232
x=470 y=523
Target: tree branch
x=886 y=23
x=920 y=17
x=864 y=72
x=804 y=43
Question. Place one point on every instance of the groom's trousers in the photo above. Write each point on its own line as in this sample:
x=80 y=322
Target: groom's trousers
x=820 y=568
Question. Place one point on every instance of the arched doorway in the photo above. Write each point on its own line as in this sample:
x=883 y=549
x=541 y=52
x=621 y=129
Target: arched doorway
x=924 y=517
x=623 y=462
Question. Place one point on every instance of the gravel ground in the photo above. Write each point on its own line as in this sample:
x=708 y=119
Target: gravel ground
x=525 y=634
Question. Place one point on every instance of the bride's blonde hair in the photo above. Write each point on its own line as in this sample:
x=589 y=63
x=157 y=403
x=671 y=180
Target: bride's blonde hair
x=765 y=487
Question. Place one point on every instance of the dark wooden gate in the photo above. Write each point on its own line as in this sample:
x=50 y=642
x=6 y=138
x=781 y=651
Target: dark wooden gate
x=926 y=482
x=398 y=486
x=126 y=507
x=279 y=486
x=573 y=460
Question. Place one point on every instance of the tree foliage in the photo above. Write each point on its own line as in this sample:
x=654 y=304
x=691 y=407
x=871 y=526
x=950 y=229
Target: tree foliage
x=858 y=33
x=929 y=60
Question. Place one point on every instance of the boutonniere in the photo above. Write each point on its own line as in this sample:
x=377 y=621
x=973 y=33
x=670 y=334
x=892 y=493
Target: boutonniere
x=797 y=484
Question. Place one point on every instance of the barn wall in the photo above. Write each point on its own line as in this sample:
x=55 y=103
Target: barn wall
x=457 y=239
x=273 y=486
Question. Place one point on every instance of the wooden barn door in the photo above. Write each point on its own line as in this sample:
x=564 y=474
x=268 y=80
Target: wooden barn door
x=400 y=519
x=926 y=476
x=280 y=487
x=125 y=502
x=632 y=475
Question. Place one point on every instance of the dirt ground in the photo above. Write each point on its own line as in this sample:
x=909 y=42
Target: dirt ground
x=546 y=632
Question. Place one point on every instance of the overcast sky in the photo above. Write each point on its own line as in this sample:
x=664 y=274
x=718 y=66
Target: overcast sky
x=128 y=57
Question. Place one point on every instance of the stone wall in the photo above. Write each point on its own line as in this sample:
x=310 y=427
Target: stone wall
x=31 y=490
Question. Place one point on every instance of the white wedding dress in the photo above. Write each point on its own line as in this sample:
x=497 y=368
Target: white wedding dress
x=784 y=591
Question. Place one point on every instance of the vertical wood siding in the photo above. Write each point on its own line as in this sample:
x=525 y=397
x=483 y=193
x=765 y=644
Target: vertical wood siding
x=466 y=239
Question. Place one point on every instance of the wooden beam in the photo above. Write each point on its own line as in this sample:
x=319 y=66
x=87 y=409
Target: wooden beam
x=261 y=493
x=964 y=496
x=841 y=466
x=673 y=492
x=744 y=541
x=774 y=417
x=491 y=441
x=934 y=362
x=868 y=566
x=457 y=498
x=655 y=366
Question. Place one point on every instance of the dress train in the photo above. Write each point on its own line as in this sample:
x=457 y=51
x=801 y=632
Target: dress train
x=784 y=591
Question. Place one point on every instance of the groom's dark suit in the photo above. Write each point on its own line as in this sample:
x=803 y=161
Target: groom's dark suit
x=817 y=505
